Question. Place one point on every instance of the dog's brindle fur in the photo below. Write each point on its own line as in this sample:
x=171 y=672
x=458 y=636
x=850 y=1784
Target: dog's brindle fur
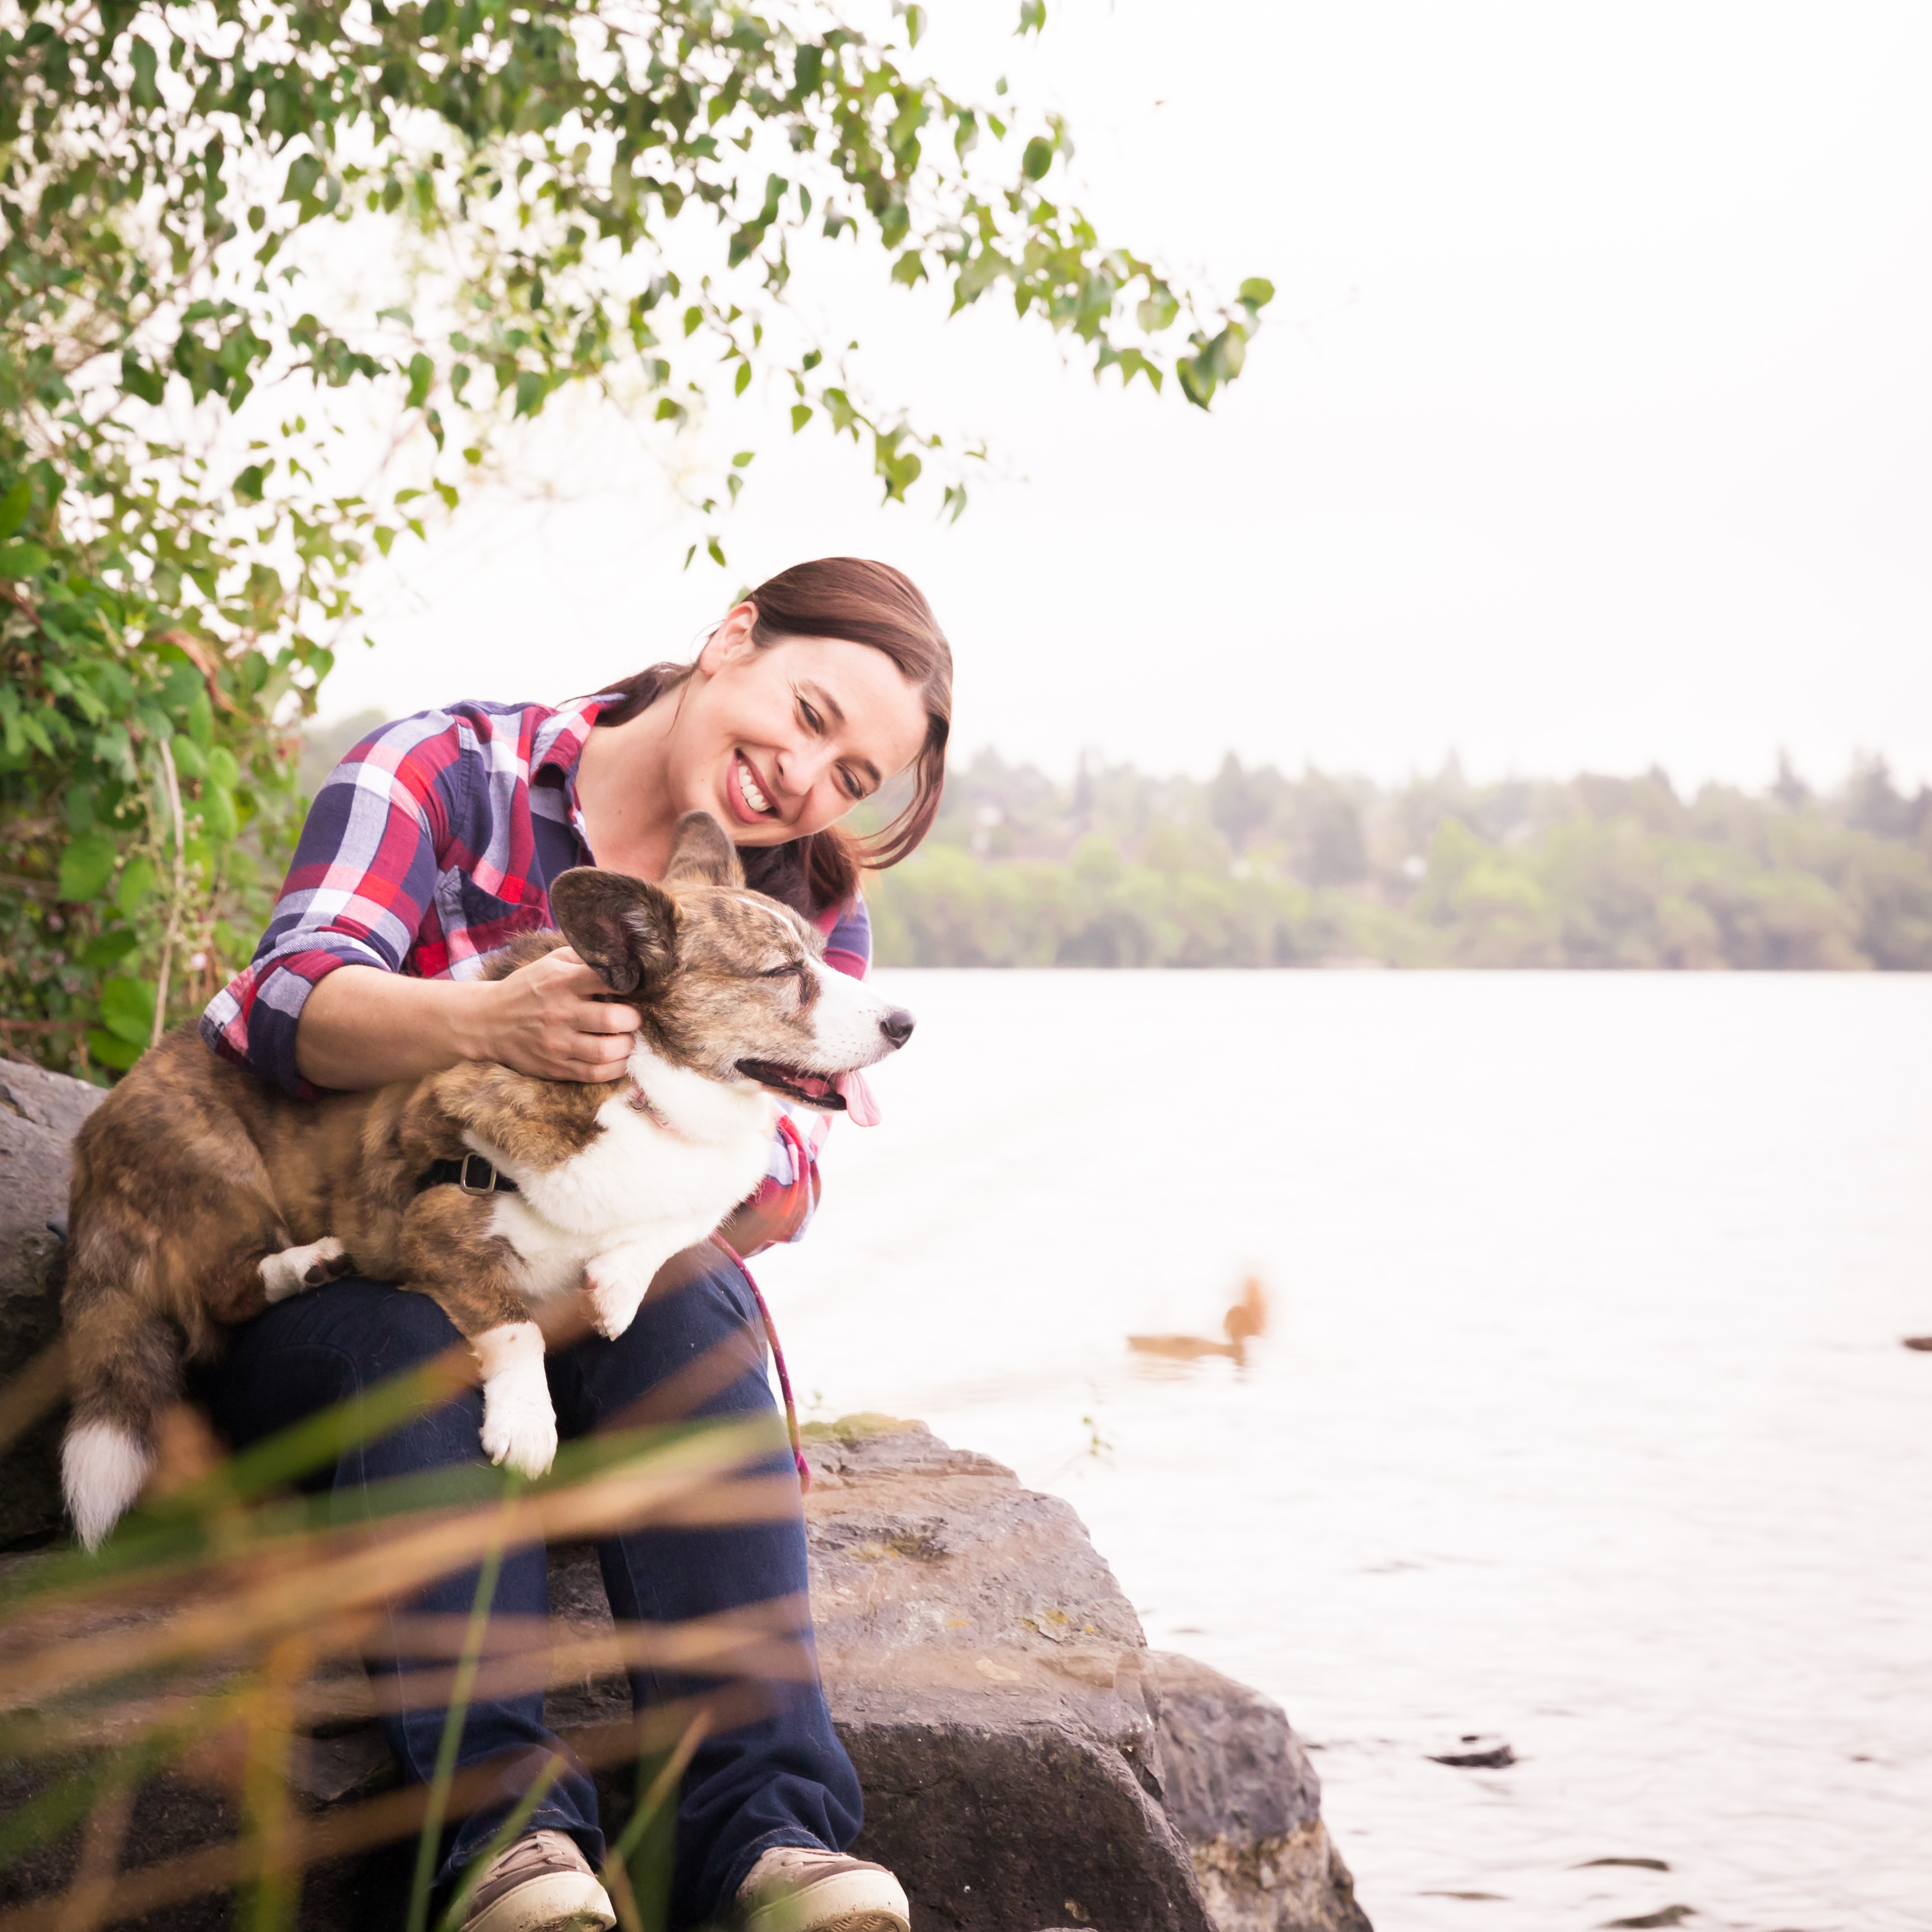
x=194 y=1180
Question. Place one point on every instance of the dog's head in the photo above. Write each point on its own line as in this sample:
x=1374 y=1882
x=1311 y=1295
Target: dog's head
x=730 y=983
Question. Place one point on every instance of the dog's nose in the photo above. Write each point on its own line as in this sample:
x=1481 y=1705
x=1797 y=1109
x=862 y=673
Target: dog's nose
x=897 y=1026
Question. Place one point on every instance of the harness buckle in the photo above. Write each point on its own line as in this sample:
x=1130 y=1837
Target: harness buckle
x=486 y=1185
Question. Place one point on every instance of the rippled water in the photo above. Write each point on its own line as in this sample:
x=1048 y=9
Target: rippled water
x=1583 y=1419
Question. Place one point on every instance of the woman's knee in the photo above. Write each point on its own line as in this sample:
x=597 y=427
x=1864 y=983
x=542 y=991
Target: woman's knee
x=331 y=1345
x=373 y=1330
x=696 y=1347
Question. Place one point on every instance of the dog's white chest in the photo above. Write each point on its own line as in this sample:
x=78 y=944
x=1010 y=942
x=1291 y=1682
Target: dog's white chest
x=637 y=1181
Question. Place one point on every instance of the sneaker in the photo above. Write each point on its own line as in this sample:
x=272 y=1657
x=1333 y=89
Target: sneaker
x=802 y=1888
x=542 y=1883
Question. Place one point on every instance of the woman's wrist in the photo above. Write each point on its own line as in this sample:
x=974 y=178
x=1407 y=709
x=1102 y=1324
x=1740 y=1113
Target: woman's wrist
x=473 y=1017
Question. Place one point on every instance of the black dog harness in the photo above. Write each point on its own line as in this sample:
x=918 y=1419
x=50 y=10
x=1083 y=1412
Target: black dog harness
x=472 y=1174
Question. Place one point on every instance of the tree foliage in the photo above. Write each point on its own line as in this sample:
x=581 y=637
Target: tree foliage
x=1257 y=869
x=198 y=200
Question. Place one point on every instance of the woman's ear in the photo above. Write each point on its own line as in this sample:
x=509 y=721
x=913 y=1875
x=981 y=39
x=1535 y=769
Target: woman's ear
x=702 y=854
x=729 y=640
x=624 y=929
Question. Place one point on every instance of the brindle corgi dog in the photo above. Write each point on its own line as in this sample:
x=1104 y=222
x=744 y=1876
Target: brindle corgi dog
x=201 y=1194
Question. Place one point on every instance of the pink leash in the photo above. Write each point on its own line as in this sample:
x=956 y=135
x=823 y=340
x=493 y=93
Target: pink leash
x=732 y=1254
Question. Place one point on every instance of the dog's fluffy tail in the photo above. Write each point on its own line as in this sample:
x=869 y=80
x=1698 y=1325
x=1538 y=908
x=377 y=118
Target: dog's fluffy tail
x=124 y=1368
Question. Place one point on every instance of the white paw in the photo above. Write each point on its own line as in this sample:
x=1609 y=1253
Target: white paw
x=294 y=1269
x=519 y=1431
x=613 y=1304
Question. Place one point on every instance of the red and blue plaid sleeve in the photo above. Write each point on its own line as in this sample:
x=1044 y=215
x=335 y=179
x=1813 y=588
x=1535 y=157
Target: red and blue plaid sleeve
x=848 y=938
x=360 y=892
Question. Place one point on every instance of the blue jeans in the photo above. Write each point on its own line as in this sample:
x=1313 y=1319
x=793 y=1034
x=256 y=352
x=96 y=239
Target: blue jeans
x=782 y=1778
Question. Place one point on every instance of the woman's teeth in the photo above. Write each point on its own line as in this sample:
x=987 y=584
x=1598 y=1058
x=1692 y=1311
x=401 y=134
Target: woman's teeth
x=747 y=789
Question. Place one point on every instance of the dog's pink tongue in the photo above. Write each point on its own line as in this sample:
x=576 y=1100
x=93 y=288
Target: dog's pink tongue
x=861 y=1109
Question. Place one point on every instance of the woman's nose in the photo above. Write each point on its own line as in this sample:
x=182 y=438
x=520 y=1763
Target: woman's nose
x=798 y=770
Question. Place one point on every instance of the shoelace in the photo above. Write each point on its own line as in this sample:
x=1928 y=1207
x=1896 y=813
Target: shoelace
x=530 y=1850
x=737 y=1260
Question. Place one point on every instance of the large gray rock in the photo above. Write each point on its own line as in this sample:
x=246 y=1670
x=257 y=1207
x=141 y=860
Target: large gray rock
x=1241 y=1791
x=39 y=1114
x=988 y=1678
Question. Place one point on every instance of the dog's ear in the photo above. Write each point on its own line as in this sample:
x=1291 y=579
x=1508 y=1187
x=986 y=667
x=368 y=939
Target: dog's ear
x=701 y=854
x=624 y=929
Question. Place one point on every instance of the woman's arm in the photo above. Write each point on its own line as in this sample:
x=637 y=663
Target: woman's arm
x=326 y=1002
x=361 y=1027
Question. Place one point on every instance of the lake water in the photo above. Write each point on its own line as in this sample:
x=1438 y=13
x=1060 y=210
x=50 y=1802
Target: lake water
x=1582 y=1419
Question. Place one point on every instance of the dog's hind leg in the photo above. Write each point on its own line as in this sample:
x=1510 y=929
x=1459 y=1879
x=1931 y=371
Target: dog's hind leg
x=448 y=1253
x=259 y=1264
x=294 y=1269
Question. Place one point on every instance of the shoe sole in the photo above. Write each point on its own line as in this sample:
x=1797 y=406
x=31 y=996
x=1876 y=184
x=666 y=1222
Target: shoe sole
x=846 y=1902
x=557 y=1902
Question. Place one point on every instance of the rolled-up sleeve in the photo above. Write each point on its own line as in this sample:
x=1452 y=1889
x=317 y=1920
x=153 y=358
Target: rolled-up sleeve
x=364 y=878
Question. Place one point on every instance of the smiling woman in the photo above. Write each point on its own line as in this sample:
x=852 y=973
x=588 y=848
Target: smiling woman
x=782 y=742
x=432 y=845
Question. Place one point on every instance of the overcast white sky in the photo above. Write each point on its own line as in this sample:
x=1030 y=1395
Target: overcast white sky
x=1592 y=427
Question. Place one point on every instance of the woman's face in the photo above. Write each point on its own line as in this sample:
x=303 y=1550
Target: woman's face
x=780 y=741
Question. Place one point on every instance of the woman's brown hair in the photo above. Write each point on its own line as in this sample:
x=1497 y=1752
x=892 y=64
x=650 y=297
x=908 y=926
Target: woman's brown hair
x=865 y=603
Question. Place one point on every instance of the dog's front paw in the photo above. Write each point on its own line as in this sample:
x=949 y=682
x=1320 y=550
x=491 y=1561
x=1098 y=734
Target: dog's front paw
x=614 y=1303
x=294 y=1269
x=519 y=1432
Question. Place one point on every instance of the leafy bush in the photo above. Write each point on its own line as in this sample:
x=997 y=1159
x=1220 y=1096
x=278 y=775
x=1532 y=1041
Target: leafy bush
x=183 y=186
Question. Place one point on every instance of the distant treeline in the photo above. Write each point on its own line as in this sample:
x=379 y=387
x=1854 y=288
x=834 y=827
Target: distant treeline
x=1256 y=868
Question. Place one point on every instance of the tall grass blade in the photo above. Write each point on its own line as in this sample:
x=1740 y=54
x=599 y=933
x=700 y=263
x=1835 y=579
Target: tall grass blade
x=649 y=1850
x=506 y=1834
x=429 y=1843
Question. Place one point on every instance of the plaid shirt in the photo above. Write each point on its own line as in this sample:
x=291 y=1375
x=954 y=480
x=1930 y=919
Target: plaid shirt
x=431 y=844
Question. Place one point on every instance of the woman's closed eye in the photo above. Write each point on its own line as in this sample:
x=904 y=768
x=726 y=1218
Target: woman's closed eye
x=849 y=782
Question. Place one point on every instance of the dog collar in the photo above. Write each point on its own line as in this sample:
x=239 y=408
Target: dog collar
x=472 y=1174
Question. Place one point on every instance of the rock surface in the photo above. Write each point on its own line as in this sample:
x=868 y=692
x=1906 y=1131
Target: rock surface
x=39 y=1113
x=1027 y=1762
x=989 y=1680
x=1240 y=1790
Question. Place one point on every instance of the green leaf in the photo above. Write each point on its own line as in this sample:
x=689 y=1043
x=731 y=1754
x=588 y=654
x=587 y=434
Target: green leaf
x=98 y=954
x=1033 y=17
x=1037 y=158
x=422 y=372
x=800 y=416
x=743 y=380
x=127 y=1009
x=86 y=866
x=14 y=506
x=22 y=559
x=248 y=486
x=1257 y=292
x=219 y=818
x=915 y=20
x=144 y=384
x=118 y=1054
x=136 y=887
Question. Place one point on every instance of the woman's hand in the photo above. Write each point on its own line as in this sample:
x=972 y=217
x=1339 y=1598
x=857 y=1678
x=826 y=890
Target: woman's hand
x=364 y=1027
x=544 y=1019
